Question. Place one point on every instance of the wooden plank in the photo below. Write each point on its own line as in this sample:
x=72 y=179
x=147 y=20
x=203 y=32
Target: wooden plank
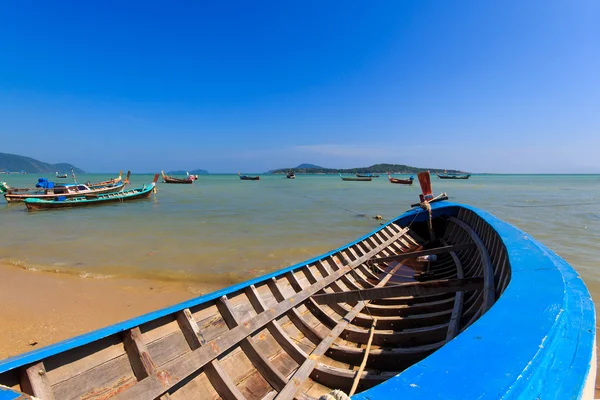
x=34 y=381
x=213 y=370
x=489 y=294
x=454 y=323
x=181 y=368
x=415 y=254
x=261 y=363
x=364 y=361
x=302 y=373
x=405 y=289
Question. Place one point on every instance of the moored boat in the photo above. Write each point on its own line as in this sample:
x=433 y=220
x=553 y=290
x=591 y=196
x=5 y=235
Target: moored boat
x=48 y=190
x=169 y=179
x=367 y=175
x=93 y=199
x=408 y=181
x=61 y=176
x=290 y=175
x=453 y=176
x=493 y=315
x=356 y=178
x=248 y=178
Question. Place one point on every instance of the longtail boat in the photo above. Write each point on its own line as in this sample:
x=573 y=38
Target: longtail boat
x=444 y=301
x=367 y=175
x=248 y=178
x=356 y=178
x=408 y=181
x=60 y=176
x=110 y=181
x=290 y=175
x=170 y=179
x=51 y=191
x=142 y=192
x=453 y=176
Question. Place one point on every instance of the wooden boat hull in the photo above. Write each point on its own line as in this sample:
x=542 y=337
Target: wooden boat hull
x=249 y=178
x=495 y=316
x=168 y=179
x=357 y=179
x=441 y=176
x=400 y=181
x=19 y=195
x=91 y=200
x=367 y=175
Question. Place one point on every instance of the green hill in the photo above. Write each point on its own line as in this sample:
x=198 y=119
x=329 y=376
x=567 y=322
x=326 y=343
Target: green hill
x=16 y=163
x=373 y=169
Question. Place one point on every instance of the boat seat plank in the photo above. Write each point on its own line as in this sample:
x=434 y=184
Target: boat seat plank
x=415 y=254
x=34 y=381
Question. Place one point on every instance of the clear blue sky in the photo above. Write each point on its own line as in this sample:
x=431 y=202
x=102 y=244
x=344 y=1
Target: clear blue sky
x=482 y=86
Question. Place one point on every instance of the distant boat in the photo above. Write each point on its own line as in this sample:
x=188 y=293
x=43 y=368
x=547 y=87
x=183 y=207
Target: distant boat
x=169 y=179
x=248 y=178
x=408 y=181
x=290 y=175
x=92 y=199
x=453 y=176
x=356 y=178
x=367 y=175
x=60 y=176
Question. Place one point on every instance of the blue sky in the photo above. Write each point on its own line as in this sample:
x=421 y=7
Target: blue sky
x=482 y=86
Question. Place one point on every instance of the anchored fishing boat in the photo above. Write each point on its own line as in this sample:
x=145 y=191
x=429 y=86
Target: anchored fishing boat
x=49 y=190
x=453 y=176
x=408 y=181
x=444 y=301
x=60 y=176
x=367 y=175
x=110 y=181
x=93 y=199
x=290 y=175
x=169 y=179
x=356 y=178
x=248 y=178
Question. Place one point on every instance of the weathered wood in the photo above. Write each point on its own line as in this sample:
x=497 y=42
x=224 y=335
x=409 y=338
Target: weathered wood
x=489 y=294
x=405 y=289
x=136 y=350
x=364 y=361
x=213 y=370
x=304 y=371
x=415 y=254
x=454 y=324
x=34 y=381
x=261 y=363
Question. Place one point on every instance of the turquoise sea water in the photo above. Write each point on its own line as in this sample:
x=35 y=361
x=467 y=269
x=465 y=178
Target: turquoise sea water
x=222 y=229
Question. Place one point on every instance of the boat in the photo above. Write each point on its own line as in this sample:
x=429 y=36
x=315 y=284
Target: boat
x=408 y=181
x=356 y=178
x=49 y=190
x=290 y=175
x=61 y=176
x=367 y=175
x=443 y=301
x=169 y=179
x=107 y=182
x=142 y=192
x=248 y=178
x=449 y=175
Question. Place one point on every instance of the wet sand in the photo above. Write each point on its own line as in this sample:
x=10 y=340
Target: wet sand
x=41 y=308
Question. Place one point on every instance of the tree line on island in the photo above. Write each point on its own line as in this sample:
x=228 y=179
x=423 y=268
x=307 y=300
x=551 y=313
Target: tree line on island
x=373 y=169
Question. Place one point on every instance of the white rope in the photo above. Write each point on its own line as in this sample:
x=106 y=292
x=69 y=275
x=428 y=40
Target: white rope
x=335 y=395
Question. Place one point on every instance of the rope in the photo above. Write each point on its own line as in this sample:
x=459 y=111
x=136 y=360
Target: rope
x=335 y=395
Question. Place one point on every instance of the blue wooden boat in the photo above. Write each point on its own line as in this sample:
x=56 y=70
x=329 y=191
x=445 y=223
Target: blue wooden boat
x=444 y=301
x=92 y=199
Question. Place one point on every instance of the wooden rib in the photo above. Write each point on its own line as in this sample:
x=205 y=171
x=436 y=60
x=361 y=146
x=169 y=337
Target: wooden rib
x=364 y=361
x=415 y=254
x=489 y=295
x=184 y=366
x=275 y=329
x=261 y=363
x=454 y=323
x=34 y=381
x=139 y=357
x=213 y=370
x=304 y=371
x=405 y=289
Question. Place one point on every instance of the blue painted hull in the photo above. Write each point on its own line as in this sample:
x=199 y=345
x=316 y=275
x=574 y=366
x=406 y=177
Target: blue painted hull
x=536 y=340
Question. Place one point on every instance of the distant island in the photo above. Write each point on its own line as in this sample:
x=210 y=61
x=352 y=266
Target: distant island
x=16 y=163
x=373 y=169
x=194 y=172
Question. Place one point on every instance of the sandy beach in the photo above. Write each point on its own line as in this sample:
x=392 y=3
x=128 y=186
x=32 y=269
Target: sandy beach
x=41 y=308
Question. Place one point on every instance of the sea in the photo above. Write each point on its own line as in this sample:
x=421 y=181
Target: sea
x=223 y=230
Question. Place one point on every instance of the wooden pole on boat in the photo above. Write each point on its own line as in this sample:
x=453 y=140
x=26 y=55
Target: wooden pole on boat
x=425 y=182
x=364 y=361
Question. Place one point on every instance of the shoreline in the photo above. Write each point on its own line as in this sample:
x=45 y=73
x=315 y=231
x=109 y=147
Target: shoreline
x=40 y=308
